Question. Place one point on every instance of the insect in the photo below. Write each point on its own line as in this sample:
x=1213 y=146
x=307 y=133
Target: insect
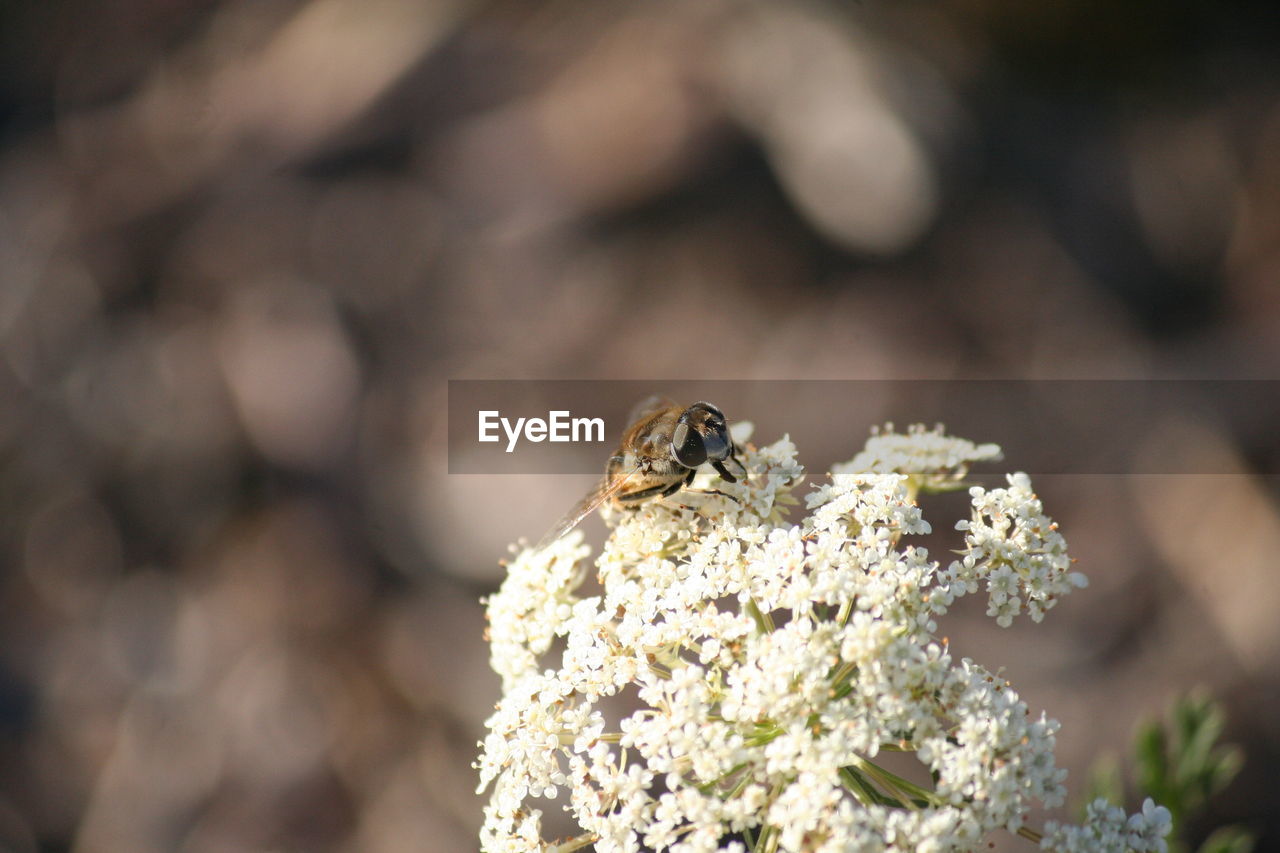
x=659 y=454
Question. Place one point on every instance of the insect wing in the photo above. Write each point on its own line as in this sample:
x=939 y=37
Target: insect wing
x=589 y=504
x=648 y=407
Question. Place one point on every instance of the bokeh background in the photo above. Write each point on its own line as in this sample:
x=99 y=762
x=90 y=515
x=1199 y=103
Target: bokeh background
x=244 y=244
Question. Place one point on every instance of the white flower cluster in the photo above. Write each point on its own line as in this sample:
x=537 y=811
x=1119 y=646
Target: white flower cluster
x=734 y=681
x=1017 y=550
x=1108 y=830
x=931 y=458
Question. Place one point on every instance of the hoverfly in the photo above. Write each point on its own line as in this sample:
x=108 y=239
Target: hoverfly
x=659 y=454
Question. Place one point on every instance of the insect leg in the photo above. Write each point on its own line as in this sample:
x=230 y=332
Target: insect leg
x=659 y=491
x=718 y=465
x=714 y=492
x=645 y=494
x=675 y=487
x=724 y=472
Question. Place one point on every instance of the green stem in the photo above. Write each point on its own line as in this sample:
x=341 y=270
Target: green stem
x=739 y=787
x=762 y=737
x=840 y=683
x=844 y=673
x=842 y=618
x=864 y=790
x=909 y=791
x=576 y=843
x=606 y=737
x=708 y=787
x=764 y=621
x=762 y=840
x=768 y=838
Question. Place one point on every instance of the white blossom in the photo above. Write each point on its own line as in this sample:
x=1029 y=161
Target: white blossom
x=738 y=674
x=1017 y=549
x=930 y=457
x=1106 y=829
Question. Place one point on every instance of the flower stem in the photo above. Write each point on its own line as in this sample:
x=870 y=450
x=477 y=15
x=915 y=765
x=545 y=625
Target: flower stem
x=577 y=843
x=912 y=795
x=767 y=841
x=864 y=790
x=840 y=684
x=764 y=621
x=846 y=610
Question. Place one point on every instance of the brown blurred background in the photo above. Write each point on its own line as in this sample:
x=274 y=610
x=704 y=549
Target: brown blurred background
x=243 y=244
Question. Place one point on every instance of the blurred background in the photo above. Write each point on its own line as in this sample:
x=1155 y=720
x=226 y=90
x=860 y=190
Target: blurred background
x=244 y=244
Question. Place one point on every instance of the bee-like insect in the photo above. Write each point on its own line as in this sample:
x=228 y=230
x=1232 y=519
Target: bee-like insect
x=659 y=454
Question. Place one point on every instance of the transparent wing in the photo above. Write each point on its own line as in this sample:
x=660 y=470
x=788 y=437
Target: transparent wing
x=589 y=504
x=648 y=407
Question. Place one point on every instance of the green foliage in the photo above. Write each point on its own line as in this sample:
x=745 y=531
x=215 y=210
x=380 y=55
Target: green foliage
x=1179 y=763
x=1105 y=781
x=1229 y=839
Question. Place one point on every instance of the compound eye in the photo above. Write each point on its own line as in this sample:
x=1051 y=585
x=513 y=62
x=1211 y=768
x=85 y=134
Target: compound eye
x=687 y=446
x=717 y=416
